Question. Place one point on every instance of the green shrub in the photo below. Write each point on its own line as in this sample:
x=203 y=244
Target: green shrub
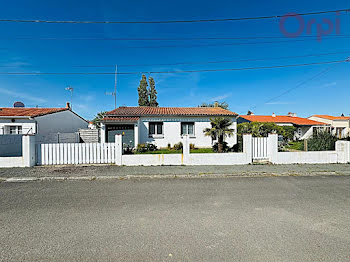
x=239 y=146
x=178 y=146
x=169 y=146
x=321 y=141
x=226 y=148
x=141 y=148
x=192 y=146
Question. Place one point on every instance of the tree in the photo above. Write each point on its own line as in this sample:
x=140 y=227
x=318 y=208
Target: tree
x=220 y=128
x=152 y=93
x=258 y=129
x=143 y=92
x=97 y=120
x=223 y=105
x=321 y=140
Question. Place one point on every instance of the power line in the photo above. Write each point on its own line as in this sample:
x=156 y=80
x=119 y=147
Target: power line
x=216 y=62
x=165 y=38
x=227 y=44
x=172 y=72
x=319 y=74
x=198 y=62
x=170 y=21
x=300 y=39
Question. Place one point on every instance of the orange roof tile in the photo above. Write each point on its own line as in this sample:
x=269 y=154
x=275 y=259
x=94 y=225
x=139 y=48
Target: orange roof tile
x=28 y=112
x=283 y=119
x=120 y=119
x=170 y=111
x=333 y=117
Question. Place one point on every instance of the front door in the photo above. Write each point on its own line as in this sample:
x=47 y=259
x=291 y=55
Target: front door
x=127 y=131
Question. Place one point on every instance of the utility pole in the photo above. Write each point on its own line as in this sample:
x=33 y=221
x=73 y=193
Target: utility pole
x=115 y=88
x=71 y=89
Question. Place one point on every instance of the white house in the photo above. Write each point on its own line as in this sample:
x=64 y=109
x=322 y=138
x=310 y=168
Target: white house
x=41 y=121
x=163 y=125
x=340 y=125
x=304 y=127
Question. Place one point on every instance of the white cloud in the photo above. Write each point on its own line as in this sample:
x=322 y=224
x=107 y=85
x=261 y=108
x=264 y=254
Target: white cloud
x=279 y=103
x=218 y=98
x=21 y=95
x=330 y=84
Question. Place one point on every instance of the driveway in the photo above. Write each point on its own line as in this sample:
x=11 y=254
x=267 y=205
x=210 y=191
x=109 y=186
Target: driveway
x=227 y=219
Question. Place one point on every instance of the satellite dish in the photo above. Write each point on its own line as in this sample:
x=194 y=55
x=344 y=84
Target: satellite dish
x=18 y=104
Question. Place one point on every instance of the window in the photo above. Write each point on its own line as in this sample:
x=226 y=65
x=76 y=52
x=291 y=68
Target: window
x=155 y=128
x=187 y=128
x=15 y=130
x=299 y=131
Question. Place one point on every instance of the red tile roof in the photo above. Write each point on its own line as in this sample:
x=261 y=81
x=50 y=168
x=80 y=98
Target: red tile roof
x=121 y=119
x=283 y=119
x=333 y=117
x=170 y=111
x=28 y=112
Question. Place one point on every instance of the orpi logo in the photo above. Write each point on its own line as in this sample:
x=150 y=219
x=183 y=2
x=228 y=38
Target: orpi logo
x=323 y=28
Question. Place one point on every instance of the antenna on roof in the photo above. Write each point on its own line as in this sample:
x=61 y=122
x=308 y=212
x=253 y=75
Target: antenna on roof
x=71 y=89
x=115 y=88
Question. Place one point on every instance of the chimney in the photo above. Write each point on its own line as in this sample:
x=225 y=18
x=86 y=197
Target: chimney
x=292 y=114
x=250 y=113
x=216 y=104
x=273 y=115
x=68 y=105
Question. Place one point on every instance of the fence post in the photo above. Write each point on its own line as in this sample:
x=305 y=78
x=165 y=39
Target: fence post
x=247 y=147
x=186 y=150
x=118 y=150
x=272 y=147
x=28 y=150
x=343 y=151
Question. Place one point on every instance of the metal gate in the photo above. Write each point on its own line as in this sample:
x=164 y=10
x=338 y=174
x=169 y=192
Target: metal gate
x=259 y=148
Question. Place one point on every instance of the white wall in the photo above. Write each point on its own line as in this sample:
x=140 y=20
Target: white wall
x=62 y=122
x=172 y=131
x=28 y=125
x=28 y=157
x=340 y=155
x=188 y=159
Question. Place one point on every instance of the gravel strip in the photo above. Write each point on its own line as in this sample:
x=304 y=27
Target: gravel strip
x=92 y=171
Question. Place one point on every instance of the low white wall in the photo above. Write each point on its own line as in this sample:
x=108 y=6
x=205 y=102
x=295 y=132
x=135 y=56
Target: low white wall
x=11 y=162
x=153 y=160
x=218 y=159
x=340 y=155
x=27 y=159
x=187 y=158
x=315 y=157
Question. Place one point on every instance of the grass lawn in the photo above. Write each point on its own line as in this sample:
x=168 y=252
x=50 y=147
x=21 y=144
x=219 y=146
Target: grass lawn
x=171 y=151
x=202 y=150
x=295 y=145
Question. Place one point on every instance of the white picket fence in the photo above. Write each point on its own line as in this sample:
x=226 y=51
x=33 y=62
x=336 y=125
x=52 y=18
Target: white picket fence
x=74 y=153
x=259 y=148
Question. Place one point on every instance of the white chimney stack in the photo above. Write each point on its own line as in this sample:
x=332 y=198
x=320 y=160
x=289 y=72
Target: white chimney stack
x=273 y=115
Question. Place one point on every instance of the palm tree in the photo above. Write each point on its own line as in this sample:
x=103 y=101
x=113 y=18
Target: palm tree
x=97 y=120
x=220 y=128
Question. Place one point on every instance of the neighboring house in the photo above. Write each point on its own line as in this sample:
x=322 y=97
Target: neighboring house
x=304 y=127
x=340 y=125
x=163 y=125
x=40 y=121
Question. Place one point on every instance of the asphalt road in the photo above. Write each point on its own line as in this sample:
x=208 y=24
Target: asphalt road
x=232 y=219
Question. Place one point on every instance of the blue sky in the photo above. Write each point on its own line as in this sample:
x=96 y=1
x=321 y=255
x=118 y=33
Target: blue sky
x=242 y=90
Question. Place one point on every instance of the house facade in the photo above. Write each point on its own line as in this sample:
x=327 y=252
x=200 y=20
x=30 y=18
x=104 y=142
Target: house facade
x=340 y=125
x=39 y=121
x=304 y=127
x=163 y=125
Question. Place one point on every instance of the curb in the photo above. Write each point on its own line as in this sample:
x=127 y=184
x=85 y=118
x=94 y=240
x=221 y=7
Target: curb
x=129 y=177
